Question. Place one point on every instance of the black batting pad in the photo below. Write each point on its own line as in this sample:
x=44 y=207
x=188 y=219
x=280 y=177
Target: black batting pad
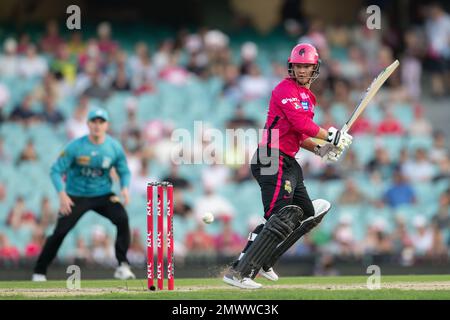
x=276 y=230
x=321 y=208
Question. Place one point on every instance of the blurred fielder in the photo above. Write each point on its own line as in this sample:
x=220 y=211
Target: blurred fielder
x=288 y=210
x=86 y=162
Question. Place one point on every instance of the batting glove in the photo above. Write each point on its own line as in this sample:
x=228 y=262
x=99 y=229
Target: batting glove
x=328 y=152
x=338 y=138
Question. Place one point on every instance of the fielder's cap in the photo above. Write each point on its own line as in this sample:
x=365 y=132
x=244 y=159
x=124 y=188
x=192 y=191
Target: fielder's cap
x=98 y=113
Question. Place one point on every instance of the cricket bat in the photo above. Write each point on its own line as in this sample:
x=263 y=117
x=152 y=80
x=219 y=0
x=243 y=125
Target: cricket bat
x=371 y=91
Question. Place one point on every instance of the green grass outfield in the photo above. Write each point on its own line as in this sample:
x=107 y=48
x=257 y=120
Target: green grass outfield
x=289 y=288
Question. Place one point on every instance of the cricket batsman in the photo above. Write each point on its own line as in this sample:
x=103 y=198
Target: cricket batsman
x=86 y=163
x=288 y=210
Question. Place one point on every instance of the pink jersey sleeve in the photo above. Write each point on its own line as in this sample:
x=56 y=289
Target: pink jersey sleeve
x=303 y=138
x=296 y=113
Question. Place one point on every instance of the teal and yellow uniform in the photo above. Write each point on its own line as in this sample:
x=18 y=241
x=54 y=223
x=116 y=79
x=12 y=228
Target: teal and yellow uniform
x=87 y=167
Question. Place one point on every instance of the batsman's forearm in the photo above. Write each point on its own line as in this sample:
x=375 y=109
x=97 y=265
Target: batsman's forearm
x=322 y=134
x=309 y=144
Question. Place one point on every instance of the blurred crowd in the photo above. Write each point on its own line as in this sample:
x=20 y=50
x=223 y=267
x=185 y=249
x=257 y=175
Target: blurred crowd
x=98 y=67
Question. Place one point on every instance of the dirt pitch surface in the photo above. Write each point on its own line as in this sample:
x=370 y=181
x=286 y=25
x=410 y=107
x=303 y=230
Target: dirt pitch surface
x=36 y=293
x=414 y=287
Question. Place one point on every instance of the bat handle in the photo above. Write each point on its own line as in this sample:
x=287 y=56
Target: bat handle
x=345 y=128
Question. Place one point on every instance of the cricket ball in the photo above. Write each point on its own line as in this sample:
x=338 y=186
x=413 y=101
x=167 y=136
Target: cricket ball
x=208 y=218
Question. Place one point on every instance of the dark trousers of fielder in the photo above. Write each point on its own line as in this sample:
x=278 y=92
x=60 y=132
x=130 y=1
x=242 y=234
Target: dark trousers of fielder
x=280 y=189
x=108 y=206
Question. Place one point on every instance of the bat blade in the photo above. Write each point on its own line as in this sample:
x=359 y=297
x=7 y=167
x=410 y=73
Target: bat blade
x=370 y=93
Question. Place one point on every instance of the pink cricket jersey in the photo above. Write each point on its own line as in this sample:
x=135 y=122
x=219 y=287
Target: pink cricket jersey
x=291 y=112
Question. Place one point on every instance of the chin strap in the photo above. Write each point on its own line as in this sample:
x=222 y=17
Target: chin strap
x=314 y=76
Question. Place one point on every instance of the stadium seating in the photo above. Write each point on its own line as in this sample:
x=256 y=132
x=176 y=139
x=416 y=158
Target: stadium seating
x=200 y=99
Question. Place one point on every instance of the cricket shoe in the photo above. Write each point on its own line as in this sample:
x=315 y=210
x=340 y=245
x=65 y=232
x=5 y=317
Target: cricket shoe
x=123 y=272
x=243 y=283
x=37 y=277
x=268 y=274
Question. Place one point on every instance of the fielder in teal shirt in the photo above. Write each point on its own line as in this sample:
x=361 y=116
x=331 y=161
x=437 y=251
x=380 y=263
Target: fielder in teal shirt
x=87 y=167
x=86 y=164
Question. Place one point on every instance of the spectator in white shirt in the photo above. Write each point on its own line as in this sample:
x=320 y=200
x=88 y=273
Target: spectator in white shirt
x=421 y=126
x=138 y=183
x=162 y=56
x=9 y=61
x=420 y=169
x=344 y=242
x=214 y=203
x=102 y=249
x=437 y=28
x=76 y=126
x=439 y=151
x=411 y=65
x=141 y=66
x=32 y=65
x=422 y=239
x=254 y=85
x=215 y=176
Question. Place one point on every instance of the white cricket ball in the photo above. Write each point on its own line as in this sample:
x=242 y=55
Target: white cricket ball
x=208 y=217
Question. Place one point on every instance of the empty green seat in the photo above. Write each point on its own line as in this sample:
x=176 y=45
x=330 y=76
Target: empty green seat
x=404 y=113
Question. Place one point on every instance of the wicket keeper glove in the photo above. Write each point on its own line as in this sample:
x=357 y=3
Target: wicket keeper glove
x=328 y=152
x=338 y=138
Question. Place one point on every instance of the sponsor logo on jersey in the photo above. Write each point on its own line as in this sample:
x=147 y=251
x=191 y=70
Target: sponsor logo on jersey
x=286 y=100
x=106 y=162
x=305 y=105
x=83 y=160
x=287 y=186
x=304 y=96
